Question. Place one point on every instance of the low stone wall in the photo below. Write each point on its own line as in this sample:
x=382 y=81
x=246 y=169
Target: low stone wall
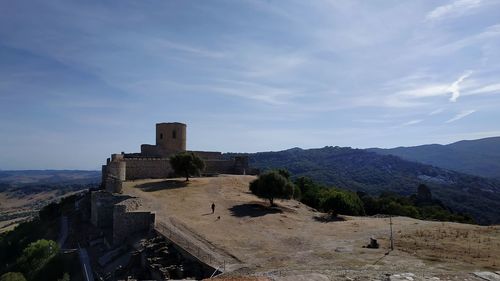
x=147 y=168
x=127 y=222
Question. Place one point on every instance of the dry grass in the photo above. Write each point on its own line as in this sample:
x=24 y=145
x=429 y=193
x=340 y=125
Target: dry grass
x=451 y=242
x=261 y=239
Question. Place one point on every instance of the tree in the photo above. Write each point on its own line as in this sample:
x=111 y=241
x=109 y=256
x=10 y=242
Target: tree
x=343 y=202
x=36 y=255
x=187 y=163
x=424 y=194
x=272 y=185
x=12 y=276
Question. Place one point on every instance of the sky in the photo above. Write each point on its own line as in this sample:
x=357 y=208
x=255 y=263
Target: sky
x=80 y=80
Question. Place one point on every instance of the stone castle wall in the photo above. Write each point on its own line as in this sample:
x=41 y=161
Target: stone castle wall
x=127 y=222
x=153 y=163
x=120 y=213
x=116 y=168
x=113 y=185
x=147 y=168
x=208 y=155
x=219 y=167
x=101 y=207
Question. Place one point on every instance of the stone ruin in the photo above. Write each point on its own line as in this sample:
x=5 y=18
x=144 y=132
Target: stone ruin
x=121 y=214
x=153 y=160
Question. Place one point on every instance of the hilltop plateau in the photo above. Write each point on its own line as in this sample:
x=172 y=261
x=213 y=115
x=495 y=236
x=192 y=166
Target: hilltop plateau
x=293 y=239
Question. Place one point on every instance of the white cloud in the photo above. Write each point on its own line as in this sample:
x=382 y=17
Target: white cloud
x=253 y=91
x=455 y=87
x=461 y=115
x=408 y=97
x=437 y=111
x=486 y=89
x=412 y=122
x=454 y=9
x=162 y=45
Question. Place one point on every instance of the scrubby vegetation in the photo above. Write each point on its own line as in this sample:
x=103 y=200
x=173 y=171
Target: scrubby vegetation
x=360 y=170
x=339 y=201
x=29 y=252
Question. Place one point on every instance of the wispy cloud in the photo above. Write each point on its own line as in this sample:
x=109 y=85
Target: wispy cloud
x=414 y=91
x=412 y=122
x=489 y=34
x=437 y=111
x=454 y=9
x=455 y=87
x=461 y=115
x=253 y=91
x=166 y=45
x=485 y=89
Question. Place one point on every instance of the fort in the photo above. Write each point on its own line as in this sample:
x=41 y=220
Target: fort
x=122 y=214
x=147 y=220
x=122 y=217
x=153 y=160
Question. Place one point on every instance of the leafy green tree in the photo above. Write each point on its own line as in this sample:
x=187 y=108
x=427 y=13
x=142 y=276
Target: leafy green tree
x=36 y=255
x=187 y=163
x=284 y=172
x=12 y=276
x=272 y=185
x=342 y=202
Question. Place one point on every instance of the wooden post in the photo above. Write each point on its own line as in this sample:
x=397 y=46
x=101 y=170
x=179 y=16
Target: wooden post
x=392 y=239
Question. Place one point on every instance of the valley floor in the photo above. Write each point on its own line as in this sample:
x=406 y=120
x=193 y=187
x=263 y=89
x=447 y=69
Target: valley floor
x=292 y=240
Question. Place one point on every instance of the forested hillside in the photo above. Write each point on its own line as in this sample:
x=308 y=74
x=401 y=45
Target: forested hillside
x=476 y=157
x=361 y=170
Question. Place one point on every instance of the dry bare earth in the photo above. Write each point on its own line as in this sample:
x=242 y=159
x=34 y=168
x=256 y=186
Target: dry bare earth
x=289 y=241
x=15 y=209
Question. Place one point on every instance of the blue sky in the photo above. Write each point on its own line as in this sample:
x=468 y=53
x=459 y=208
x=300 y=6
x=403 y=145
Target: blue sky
x=81 y=80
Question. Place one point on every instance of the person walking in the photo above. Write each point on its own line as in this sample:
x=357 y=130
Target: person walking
x=213 y=208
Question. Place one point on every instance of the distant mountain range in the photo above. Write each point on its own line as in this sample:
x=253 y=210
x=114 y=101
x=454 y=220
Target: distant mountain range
x=362 y=170
x=476 y=157
x=26 y=177
x=464 y=175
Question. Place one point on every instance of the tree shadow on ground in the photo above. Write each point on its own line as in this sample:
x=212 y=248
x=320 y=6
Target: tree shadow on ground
x=253 y=210
x=328 y=218
x=162 y=185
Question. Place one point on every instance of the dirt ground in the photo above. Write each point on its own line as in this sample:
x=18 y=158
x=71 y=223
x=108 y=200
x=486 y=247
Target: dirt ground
x=292 y=241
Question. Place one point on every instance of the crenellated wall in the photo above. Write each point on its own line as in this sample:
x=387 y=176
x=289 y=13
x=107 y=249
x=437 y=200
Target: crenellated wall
x=208 y=155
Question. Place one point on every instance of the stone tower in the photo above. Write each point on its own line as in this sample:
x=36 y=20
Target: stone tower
x=171 y=137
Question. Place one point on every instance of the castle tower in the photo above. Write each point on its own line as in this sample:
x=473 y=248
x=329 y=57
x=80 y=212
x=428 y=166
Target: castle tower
x=171 y=137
